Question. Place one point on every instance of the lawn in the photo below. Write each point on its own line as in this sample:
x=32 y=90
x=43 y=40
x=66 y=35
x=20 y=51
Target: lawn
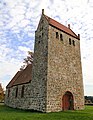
x=7 y=113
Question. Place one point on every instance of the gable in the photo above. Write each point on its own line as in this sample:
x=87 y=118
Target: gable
x=60 y=26
x=42 y=21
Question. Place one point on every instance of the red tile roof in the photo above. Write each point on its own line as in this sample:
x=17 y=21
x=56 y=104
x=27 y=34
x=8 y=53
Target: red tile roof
x=21 y=77
x=10 y=84
x=63 y=28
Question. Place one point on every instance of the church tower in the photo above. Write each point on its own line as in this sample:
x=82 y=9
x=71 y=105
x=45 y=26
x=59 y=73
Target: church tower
x=57 y=73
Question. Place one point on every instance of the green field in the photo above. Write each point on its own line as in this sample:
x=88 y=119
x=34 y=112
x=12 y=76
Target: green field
x=7 y=113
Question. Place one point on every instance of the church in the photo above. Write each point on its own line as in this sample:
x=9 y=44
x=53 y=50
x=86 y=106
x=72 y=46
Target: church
x=54 y=81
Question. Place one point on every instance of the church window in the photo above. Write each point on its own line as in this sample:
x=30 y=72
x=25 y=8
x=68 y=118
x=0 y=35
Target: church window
x=22 y=91
x=61 y=37
x=57 y=36
x=73 y=43
x=8 y=92
x=16 y=93
x=70 y=41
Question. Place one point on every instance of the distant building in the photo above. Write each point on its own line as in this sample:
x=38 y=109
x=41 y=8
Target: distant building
x=54 y=81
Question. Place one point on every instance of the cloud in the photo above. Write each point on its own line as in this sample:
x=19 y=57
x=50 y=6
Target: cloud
x=88 y=90
x=24 y=49
x=8 y=68
x=19 y=20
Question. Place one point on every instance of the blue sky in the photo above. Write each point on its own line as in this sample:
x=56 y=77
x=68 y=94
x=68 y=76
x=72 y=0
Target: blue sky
x=19 y=20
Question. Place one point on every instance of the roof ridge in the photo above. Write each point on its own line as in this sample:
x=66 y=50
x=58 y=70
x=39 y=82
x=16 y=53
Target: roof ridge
x=56 y=21
x=20 y=80
x=16 y=77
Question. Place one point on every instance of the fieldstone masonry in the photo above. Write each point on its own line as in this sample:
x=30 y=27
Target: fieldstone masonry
x=56 y=72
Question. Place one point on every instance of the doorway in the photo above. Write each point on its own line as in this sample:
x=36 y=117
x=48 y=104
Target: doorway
x=67 y=101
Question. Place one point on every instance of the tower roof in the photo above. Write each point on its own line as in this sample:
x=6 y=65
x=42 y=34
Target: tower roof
x=63 y=28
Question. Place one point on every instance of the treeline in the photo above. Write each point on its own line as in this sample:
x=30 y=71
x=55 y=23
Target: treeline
x=1 y=93
x=88 y=99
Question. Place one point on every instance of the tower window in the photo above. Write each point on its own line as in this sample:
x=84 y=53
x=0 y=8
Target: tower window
x=42 y=27
x=61 y=37
x=22 y=91
x=16 y=92
x=70 y=41
x=57 y=36
x=73 y=43
x=39 y=38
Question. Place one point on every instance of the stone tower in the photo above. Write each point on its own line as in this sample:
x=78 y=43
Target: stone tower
x=57 y=73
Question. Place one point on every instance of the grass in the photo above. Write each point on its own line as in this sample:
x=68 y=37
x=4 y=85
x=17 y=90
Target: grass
x=7 y=113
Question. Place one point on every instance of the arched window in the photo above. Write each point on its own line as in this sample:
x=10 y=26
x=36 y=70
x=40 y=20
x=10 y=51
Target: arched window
x=70 y=41
x=22 y=91
x=57 y=36
x=73 y=43
x=8 y=92
x=16 y=92
x=61 y=37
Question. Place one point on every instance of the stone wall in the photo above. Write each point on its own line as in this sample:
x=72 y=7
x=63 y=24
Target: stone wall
x=64 y=71
x=39 y=70
x=18 y=101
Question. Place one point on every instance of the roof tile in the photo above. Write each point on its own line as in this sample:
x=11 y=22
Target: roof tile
x=21 y=77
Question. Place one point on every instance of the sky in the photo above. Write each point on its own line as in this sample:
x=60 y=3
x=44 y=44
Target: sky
x=19 y=20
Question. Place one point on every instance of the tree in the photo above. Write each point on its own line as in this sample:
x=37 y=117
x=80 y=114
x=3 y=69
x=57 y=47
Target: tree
x=28 y=60
x=1 y=93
